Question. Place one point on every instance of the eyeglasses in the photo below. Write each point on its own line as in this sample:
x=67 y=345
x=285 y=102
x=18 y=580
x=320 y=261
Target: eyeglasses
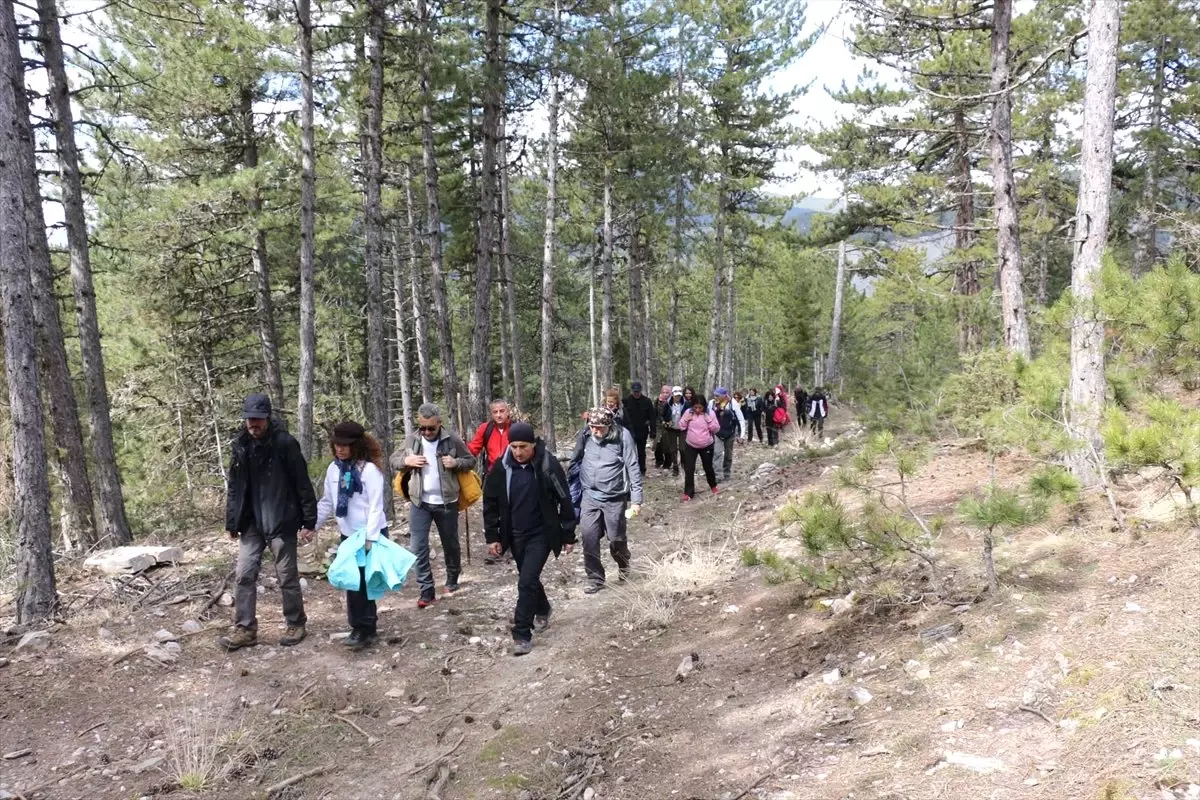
x=428 y=428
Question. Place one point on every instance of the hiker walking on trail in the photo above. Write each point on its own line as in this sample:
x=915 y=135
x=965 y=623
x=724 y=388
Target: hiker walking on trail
x=775 y=411
x=527 y=510
x=660 y=441
x=490 y=442
x=731 y=422
x=640 y=420
x=700 y=428
x=269 y=502
x=431 y=459
x=354 y=485
x=672 y=415
x=752 y=409
x=612 y=401
x=818 y=410
x=801 y=406
x=610 y=480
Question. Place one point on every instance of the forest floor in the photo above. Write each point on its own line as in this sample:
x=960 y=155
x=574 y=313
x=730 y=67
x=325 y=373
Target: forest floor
x=1080 y=680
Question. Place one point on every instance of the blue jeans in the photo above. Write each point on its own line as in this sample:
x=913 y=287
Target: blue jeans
x=420 y=520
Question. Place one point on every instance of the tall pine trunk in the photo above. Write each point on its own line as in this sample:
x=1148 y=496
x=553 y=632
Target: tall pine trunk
x=966 y=274
x=479 y=381
x=606 y=284
x=1008 y=234
x=34 y=575
x=547 y=308
x=264 y=305
x=417 y=288
x=377 y=376
x=1145 y=223
x=403 y=350
x=1087 y=386
x=637 y=324
x=433 y=219
x=714 y=325
x=109 y=502
x=835 y=329
x=509 y=271
x=729 y=323
x=308 y=200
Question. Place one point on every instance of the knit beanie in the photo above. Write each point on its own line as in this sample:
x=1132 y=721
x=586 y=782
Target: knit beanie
x=522 y=432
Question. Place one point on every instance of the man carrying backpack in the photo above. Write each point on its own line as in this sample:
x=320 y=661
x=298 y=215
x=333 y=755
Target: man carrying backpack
x=672 y=413
x=610 y=479
x=801 y=406
x=640 y=420
x=818 y=410
x=491 y=442
x=753 y=411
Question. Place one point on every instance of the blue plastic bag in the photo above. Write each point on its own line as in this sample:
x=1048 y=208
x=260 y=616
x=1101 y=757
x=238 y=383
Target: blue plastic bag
x=343 y=571
x=387 y=566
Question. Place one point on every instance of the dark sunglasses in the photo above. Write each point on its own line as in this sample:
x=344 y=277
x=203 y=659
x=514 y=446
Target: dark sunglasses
x=428 y=428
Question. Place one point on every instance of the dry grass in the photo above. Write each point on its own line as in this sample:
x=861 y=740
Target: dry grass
x=207 y=744
x=651 y=599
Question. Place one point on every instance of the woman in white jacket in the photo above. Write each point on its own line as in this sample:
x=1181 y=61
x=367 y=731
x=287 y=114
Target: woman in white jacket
x=353 y=495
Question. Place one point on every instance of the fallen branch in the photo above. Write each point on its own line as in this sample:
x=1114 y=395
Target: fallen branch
x=447 y=754
x=370 y=739
x=767 y=776
x=438 y=778
x=279 y=787
x=88 y=730
x=127 y=654
x=1033 y=710
x=215 y=596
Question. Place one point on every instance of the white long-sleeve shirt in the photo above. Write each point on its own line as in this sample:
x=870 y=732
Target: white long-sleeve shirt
x=365 y=509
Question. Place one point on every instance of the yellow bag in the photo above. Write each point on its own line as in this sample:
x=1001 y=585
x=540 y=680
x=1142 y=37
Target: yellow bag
x=469 y=489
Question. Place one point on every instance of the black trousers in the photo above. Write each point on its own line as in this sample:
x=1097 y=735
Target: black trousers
x=673 y=448
x=772 y=435
x=531 y=554
x=640 y=441
x=689 y=468
x=360 y=611
x=753 y=424
x=660 y=450
x=818 y=426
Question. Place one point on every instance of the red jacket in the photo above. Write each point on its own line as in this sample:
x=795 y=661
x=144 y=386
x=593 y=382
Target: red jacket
x=497 y=443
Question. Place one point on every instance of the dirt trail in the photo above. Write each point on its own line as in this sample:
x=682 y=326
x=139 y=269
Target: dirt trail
x=596 y=709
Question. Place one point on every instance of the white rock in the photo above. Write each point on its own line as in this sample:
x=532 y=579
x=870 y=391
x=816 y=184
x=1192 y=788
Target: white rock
x=833 y=676
x=475 y=640
x=395 y=694
x=135 y=558
x=396 y=722
x=730 y=609
x=191 y=626
x=589 y=793
x=1133 y=608
x=843 y=604
x=147 y=765
x=164 y=635
x=952 y=726
x=173 y=647
x=106 y=635
x=161 y=654
x=860 y=695
x=226 y=600
x=34 y=640
x=685 y=667
x=984 y=765
x=337 y=637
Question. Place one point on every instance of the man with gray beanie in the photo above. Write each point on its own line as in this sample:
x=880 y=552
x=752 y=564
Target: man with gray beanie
x=611 y=479
x=527 y=509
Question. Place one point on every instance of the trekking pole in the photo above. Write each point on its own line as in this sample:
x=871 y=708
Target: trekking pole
x=467 y=512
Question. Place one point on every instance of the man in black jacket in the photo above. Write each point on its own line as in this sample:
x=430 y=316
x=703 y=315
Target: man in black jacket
x=270 y=500
x=641 y=421
x=527 y=509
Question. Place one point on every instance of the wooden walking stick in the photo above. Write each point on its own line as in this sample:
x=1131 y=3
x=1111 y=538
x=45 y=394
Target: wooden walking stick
x=467 y=513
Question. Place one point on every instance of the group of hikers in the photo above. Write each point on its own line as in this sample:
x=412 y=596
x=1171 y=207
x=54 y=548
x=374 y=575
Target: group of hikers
x=532 y=504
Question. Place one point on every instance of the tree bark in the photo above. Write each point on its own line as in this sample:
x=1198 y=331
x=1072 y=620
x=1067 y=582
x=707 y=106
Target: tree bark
x=730 y=323
x=433 y=219
x=36 y=596
x=637 y=324
x=714 y=325
x=1008 y=234
x=966 y=275
x=547 y=309
x=479 y=380
x=264 y=305
x=1145 y=224
x=509 y=271
x=606 y=284
x=417 y=289
x=835 y=329
x=308 y=200
x=403 y=350
x=378 y=411
x=592 y=333
x=1087 y=385
x=109 y=502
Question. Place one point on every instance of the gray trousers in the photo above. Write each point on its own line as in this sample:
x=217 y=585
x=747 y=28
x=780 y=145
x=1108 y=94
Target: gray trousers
x=599 y=518
x=445 y=518
x=251 y=546
x=723 y=455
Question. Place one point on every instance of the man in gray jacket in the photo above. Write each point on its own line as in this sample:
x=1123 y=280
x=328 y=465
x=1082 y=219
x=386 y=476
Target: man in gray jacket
x=606 y=460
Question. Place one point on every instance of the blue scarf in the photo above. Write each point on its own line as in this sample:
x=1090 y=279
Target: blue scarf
x=349 y=483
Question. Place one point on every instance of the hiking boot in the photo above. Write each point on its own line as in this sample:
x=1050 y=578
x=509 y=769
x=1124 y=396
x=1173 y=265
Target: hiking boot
x=593 y=587
x=715 y=490
x=725 y=479
x=358 y=640
x=522 y=647
x=541 y=622
x=294 y=635
x=687 y=497
x=241 y=637
x=623 y=575
x=449 y=590
x=425 y=601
